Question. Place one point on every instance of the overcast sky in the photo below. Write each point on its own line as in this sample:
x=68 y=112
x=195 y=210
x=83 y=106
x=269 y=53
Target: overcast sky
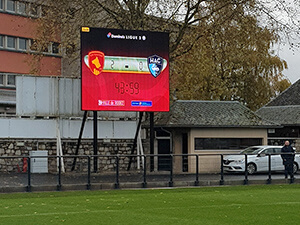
x=293 y=60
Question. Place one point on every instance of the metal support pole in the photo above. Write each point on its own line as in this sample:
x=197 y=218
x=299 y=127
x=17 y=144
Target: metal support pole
x=59 y=174
x=88 y=186
x=29 y=174
x=79 y=139
x=171 y=171
x=197 y=170
x=95 y=143
x=269 y=181
x=117 y=184
x=246 y=170
x=145 y=171
x=151 y=141
x=292 y=175
x=222 y=171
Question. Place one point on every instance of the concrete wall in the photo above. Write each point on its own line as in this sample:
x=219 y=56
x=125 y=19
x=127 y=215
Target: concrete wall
x=68 y=128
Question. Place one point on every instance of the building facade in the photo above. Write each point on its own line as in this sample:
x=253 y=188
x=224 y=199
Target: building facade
x=207 y=129
x=19 y=51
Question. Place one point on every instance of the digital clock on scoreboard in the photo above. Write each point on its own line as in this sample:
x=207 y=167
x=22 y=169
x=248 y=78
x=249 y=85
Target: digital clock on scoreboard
x=124 y=70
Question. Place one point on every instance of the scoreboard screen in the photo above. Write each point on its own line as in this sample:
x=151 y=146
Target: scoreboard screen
x=124 y=70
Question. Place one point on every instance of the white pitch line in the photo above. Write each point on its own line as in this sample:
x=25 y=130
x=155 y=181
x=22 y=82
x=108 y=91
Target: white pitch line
x=58 y=213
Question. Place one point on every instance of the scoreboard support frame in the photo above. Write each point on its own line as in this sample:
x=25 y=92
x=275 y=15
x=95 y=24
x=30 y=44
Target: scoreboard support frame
x=95 y=140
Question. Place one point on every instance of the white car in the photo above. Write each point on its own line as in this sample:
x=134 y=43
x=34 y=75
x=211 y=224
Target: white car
x=257 y=160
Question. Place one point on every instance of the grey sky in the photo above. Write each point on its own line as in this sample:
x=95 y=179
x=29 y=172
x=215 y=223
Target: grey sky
x=292 y=57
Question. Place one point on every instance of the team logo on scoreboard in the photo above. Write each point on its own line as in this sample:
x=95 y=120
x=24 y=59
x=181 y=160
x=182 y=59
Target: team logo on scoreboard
x=96 y=62
x=155 y=64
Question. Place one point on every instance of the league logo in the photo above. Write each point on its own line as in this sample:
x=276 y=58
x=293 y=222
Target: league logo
x=96 y=62
x=155 y=64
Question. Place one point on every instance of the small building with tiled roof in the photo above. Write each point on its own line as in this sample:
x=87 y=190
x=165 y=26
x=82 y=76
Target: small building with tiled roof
x=206 y=127
x=284 y=110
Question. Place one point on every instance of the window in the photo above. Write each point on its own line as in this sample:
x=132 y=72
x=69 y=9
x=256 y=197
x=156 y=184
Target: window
x=11 y=42
x=7 y=80
x=34 y=10
x=1 y=5
x=277 y=150
x=11 y=80
x=225 y=143
x=45 y=48
x=21 y=7
x=1 y=80
x=1 y=41
x=33 y=45
x=55 y=48
x=22 y=44
x=10 y=5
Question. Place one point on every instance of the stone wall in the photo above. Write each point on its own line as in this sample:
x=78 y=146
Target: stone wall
x=21 y=148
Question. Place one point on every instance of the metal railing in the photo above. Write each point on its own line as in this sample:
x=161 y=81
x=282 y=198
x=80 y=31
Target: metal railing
x=145 y=159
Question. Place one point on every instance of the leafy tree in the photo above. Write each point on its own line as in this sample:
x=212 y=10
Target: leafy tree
x=233 y=61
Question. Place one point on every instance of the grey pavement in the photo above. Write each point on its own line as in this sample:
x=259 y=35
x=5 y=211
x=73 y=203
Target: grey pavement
x=20 y=182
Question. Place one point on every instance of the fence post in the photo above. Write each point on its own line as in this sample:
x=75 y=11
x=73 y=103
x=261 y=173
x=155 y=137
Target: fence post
x=171 y=171
x=246 y=169
x=59 y=174
x=292 y=175
x=117 y=184
x=222 y=171
x=29 y=174
x=145 y=171
x=269 y=181
x=88 y=186
x=197 y=171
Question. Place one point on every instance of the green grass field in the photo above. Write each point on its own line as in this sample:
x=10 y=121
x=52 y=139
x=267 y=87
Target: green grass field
x=268 y=204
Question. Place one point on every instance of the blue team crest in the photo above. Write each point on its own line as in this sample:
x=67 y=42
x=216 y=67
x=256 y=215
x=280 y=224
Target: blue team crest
x=155 y=64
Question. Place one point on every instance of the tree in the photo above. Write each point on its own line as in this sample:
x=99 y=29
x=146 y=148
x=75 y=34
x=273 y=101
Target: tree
x=233 y=61
x=231 y=45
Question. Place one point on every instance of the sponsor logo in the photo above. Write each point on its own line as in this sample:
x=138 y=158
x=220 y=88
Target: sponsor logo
x=141 y=103
x=111 y=102
x=126 y=36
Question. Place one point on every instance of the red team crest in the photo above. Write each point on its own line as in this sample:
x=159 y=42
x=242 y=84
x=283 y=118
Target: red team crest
x=96 y=62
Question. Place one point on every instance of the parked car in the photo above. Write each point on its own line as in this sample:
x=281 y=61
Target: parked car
x=257 y=160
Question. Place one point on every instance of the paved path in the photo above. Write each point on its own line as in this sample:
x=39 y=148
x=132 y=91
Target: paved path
x=73 y=181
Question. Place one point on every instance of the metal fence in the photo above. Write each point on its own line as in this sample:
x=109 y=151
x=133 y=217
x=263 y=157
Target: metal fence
x=92 y=176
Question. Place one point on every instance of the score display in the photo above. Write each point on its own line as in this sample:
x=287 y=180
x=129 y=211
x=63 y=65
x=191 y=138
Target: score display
x=124 y=70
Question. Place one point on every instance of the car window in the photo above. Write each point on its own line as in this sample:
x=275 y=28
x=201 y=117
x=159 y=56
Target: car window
x=251 y=150
x=268 y=151
x=277 y=150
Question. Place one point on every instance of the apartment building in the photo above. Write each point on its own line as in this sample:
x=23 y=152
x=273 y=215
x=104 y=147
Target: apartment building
x=19 y=51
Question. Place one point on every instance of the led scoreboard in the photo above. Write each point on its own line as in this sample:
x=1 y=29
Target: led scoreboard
x=124 y=70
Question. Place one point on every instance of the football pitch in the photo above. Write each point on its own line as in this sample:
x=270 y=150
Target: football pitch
x=267 y=204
